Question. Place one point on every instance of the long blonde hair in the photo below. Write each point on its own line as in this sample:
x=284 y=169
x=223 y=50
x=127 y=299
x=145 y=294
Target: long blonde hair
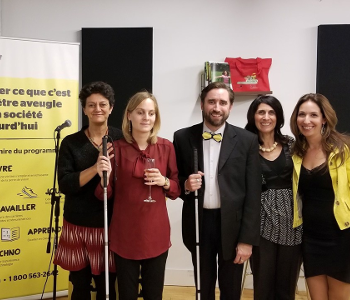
x=133 y=103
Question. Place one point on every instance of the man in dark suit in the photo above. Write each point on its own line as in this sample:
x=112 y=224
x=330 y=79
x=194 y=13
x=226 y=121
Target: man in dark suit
x=229 y=185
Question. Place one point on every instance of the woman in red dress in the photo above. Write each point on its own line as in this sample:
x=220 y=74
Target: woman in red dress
x=140 y=230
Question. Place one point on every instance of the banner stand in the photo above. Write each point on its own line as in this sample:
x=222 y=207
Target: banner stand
x=39 y=87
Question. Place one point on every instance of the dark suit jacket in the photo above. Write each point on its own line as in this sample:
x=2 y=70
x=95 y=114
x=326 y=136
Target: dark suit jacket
x=239 y=177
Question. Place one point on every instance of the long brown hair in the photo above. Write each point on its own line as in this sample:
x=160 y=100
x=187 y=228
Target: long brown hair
x=134 y=102
x=331 y=140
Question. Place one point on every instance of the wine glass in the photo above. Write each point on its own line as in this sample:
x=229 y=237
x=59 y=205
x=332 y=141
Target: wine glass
x=150 y=164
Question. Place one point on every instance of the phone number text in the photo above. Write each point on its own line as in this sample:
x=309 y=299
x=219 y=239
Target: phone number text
x=31 y=275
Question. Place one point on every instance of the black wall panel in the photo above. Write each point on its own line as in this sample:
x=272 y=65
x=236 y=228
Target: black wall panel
x=333 y=70
x=122 y=57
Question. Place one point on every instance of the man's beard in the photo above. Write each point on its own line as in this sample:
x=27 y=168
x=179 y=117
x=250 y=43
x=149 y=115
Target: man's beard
x=216 y=123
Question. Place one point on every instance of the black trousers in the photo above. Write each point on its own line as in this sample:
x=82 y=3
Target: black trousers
x=275 y=270
x=152 y=277
x=212 y=264
x=81 y=281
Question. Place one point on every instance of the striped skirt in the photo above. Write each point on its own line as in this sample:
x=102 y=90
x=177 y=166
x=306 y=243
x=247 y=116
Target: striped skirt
x=81 y=246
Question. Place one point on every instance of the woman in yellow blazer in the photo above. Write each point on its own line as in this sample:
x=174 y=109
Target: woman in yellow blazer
x=321 y=194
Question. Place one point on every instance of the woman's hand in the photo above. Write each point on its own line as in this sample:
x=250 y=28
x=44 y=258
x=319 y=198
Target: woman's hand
x=110 y=150
x=104 y=164
x=154 y=177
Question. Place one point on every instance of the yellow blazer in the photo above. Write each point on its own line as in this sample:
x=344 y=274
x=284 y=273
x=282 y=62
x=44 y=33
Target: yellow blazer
x=340 y=181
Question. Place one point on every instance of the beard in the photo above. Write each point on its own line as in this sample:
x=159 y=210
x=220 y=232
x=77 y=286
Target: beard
x=215 y=122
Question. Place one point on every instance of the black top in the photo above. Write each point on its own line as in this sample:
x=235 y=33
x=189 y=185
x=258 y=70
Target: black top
x=277 y=173
x=76 y=154
x=316 y=190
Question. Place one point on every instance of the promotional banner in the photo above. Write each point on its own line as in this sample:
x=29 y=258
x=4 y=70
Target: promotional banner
x=38 y=91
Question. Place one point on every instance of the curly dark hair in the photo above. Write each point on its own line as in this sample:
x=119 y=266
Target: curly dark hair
x=97 y=87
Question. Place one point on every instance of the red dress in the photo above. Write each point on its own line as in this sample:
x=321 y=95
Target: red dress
x=138 y=229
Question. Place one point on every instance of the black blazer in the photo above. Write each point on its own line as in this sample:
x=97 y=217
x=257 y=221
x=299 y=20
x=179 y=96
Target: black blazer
x=239 y=177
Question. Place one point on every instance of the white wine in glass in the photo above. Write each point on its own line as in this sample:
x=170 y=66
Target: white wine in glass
x=150 y=164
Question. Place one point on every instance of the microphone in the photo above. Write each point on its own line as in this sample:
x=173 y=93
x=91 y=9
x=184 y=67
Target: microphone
x=104 y=152
x=67 y=123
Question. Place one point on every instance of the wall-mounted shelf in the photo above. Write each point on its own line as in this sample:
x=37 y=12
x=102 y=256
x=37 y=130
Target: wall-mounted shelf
x=252 y=93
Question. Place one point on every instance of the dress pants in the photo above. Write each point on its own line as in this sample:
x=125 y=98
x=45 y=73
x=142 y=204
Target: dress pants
x=152 y=277
x=275 y=270
x=212 y=264
x=81 y=281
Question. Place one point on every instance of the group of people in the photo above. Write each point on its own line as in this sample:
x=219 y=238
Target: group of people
x=262 y=196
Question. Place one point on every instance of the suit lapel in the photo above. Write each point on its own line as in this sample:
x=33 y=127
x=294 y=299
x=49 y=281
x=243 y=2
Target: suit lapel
x=228 y=144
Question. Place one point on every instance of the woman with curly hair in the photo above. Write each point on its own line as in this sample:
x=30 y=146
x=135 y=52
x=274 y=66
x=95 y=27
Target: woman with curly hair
x=81 y=246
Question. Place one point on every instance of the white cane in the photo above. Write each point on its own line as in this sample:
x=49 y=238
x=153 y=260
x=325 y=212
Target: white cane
x=195 y=160
x=105 y=208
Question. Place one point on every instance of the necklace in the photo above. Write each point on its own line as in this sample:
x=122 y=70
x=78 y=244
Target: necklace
x=273 y=147
x=98 y=147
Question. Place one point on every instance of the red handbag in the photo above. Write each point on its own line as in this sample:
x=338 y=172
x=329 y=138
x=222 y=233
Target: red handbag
x=249 y=74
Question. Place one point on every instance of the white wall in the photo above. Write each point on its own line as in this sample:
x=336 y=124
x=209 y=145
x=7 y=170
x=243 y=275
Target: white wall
x=187 y=33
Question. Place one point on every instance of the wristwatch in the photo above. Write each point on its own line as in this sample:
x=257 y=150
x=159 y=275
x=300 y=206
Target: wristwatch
x=166 y=182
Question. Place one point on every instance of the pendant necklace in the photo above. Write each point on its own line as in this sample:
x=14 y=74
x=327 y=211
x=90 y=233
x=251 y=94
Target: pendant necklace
x=98 y=147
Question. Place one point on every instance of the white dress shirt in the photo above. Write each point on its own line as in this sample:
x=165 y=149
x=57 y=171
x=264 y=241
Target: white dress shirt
x=211 y=153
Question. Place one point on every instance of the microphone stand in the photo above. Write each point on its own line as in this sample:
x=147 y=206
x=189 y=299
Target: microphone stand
x=55 y=207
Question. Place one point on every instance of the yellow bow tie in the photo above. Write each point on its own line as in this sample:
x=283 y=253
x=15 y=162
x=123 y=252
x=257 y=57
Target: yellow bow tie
x=208 y=135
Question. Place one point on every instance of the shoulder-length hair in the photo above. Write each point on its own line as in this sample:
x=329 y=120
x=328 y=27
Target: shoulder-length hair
x=331 y=140
x=277 y=107
x=134 y=102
